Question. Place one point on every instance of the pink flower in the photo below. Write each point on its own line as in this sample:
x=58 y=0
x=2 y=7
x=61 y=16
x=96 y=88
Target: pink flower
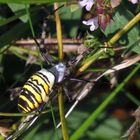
x=86 y=3
x=93 y=22
x=134 y=1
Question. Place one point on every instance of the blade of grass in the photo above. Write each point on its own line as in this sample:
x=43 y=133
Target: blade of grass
x=23 y=57
x=16 y=114
x=131 y=97
x=32 y=30
x=31 y=1
x=104 y=104
x=23 y=50
x=30 y=21
x=54 y=122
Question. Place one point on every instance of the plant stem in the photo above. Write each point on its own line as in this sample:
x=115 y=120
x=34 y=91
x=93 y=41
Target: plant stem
x=62 y=115
x=127 y=27
x=61 y=55
x=89 y=61
x=59 y=33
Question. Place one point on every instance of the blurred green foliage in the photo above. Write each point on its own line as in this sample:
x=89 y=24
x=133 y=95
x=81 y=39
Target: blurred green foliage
x=14 y=72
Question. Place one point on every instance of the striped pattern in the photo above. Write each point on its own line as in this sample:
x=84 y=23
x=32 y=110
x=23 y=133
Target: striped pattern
x=36 y=91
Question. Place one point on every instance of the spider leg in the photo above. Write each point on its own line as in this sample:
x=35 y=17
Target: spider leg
x=82 y=94
x=48 y=58
x=66 y=93
x=14 y=92
x=41 y=45
x=23 y=127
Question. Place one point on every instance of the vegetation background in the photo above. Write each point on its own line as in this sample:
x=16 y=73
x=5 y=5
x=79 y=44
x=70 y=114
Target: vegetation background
x=106 y=112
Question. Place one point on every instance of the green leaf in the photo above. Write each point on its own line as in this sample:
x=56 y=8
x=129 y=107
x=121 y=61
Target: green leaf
x=129 y=39
x=74 y=7
x=16 y=7
x=31 y=1
x=17 y=15
x=110 y=129
x=71 y=20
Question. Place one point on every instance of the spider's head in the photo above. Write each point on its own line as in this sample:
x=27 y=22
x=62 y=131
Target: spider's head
x=59 y=72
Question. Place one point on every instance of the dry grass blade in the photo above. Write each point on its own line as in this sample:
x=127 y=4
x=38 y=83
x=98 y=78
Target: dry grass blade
x=124 y=64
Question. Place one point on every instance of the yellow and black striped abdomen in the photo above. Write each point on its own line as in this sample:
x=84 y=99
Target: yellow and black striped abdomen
x=36 y=91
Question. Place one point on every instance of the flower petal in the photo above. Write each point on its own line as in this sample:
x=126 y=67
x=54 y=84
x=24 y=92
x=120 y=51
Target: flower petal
x=86 y=3
x=82 y=3
x=134 y=1
x=89 y=5
x=93 y=23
